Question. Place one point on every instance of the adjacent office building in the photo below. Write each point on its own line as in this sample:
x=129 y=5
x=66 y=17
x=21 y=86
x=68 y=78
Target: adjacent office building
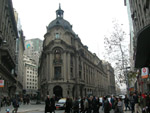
x=33 y=48
x=30 y=82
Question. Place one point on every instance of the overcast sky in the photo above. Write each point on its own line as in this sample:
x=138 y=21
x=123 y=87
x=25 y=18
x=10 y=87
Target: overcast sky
x=91 y=19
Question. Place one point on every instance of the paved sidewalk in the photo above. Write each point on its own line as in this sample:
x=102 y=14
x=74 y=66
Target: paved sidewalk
x=25 y=108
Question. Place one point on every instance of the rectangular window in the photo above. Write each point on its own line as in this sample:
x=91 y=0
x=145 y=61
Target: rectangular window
x=80 y=74
x=57 y=36
x=71 y=72
x=57 y=71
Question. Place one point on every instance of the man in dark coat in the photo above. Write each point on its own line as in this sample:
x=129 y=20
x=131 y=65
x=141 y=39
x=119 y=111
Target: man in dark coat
x=107 y=106
x=126 y=102
x=68 y=105
x=76 y=106
x=15 y=105
x=52 y=101
x=96 y=105
x=48 y=105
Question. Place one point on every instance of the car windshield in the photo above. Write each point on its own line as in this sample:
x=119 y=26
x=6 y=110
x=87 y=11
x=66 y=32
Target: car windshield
x=61 y=101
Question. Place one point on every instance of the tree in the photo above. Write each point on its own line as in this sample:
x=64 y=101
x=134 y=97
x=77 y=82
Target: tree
x=117 y=51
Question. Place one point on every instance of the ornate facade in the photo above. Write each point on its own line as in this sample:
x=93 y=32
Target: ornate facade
x=8 y=36
x=66 y=66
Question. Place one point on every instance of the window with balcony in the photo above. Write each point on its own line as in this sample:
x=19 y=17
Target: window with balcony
x=57 y=73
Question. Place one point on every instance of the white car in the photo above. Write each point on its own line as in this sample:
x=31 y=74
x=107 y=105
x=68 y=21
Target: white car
x=61 y=103
x=122 y=96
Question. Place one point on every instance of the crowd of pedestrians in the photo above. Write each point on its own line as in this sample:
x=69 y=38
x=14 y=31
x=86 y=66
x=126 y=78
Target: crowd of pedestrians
x=135 y=103
x=15 y=101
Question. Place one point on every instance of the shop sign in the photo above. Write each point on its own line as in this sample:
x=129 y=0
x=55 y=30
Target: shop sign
x=145 y=72
x=131 y=89
x=1 y=83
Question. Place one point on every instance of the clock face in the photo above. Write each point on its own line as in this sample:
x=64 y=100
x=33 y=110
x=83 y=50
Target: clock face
x=28 y=46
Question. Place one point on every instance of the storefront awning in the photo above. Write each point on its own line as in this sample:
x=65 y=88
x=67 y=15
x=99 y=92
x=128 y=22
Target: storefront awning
x=142 y=58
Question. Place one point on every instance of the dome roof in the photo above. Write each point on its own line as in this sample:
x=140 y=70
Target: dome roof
x=59 y=21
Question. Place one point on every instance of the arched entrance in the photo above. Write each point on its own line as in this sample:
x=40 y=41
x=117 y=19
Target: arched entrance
x=57 y=90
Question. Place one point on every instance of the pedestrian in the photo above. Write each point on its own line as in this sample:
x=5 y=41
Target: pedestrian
x=136 y=102
x=131 y=99
x=90 y=106
x=115 y=105
x=82 y=105
x=15 y=105
x=52 y=102
x=47 y=105
x=148 y=103
x=86 y=105
x=68 y=106
x=126 y=102
x=143 y=103
x=76 y=106
x=107 y=106
x=96 y=105
x=120 y=105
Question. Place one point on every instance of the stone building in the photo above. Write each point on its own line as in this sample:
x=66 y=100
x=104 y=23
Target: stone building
x=8 y=36
x=140 y=14
x=66 y=66
x=30 y=82
x=111 y=78
x=19 y=55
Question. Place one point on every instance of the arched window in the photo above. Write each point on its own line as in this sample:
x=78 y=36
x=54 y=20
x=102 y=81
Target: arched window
x=57 y=54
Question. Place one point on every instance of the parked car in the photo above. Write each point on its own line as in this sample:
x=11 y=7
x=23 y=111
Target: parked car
x=61 y=103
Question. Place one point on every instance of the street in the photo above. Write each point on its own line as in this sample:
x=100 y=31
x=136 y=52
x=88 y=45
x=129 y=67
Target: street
x=34 y=108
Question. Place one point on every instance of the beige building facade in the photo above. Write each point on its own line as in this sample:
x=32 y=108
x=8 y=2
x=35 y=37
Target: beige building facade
x=66 y=66
x=30 y=80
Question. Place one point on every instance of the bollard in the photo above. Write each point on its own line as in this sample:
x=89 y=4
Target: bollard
x=7 y=110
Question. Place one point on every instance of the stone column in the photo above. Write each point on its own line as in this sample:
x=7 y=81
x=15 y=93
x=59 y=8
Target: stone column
x=51 y=73
x=65 y=90
x=48 y=67
x=68 y=63
x=64 y=69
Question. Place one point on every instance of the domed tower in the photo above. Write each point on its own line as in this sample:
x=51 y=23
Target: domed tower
x=66 y=66
x=57 y=63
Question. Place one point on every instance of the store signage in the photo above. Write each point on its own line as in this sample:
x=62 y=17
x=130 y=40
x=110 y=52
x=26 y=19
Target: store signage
x=1 y=83
x=145 y=72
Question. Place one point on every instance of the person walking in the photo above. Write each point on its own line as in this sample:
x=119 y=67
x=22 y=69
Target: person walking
x=15 y=105
x=47 y=105
x=82 y=105
x=143 y=103
x=68 y=106
x=131 y=99
x=86 y=105
x=120 y=105
x=126 y=102
x=76 y=106
x=107 y=106
x=136 y=102
x=52 y=104
x=96 y=105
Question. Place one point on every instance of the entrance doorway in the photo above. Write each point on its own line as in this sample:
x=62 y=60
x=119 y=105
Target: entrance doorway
x=57 y=90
